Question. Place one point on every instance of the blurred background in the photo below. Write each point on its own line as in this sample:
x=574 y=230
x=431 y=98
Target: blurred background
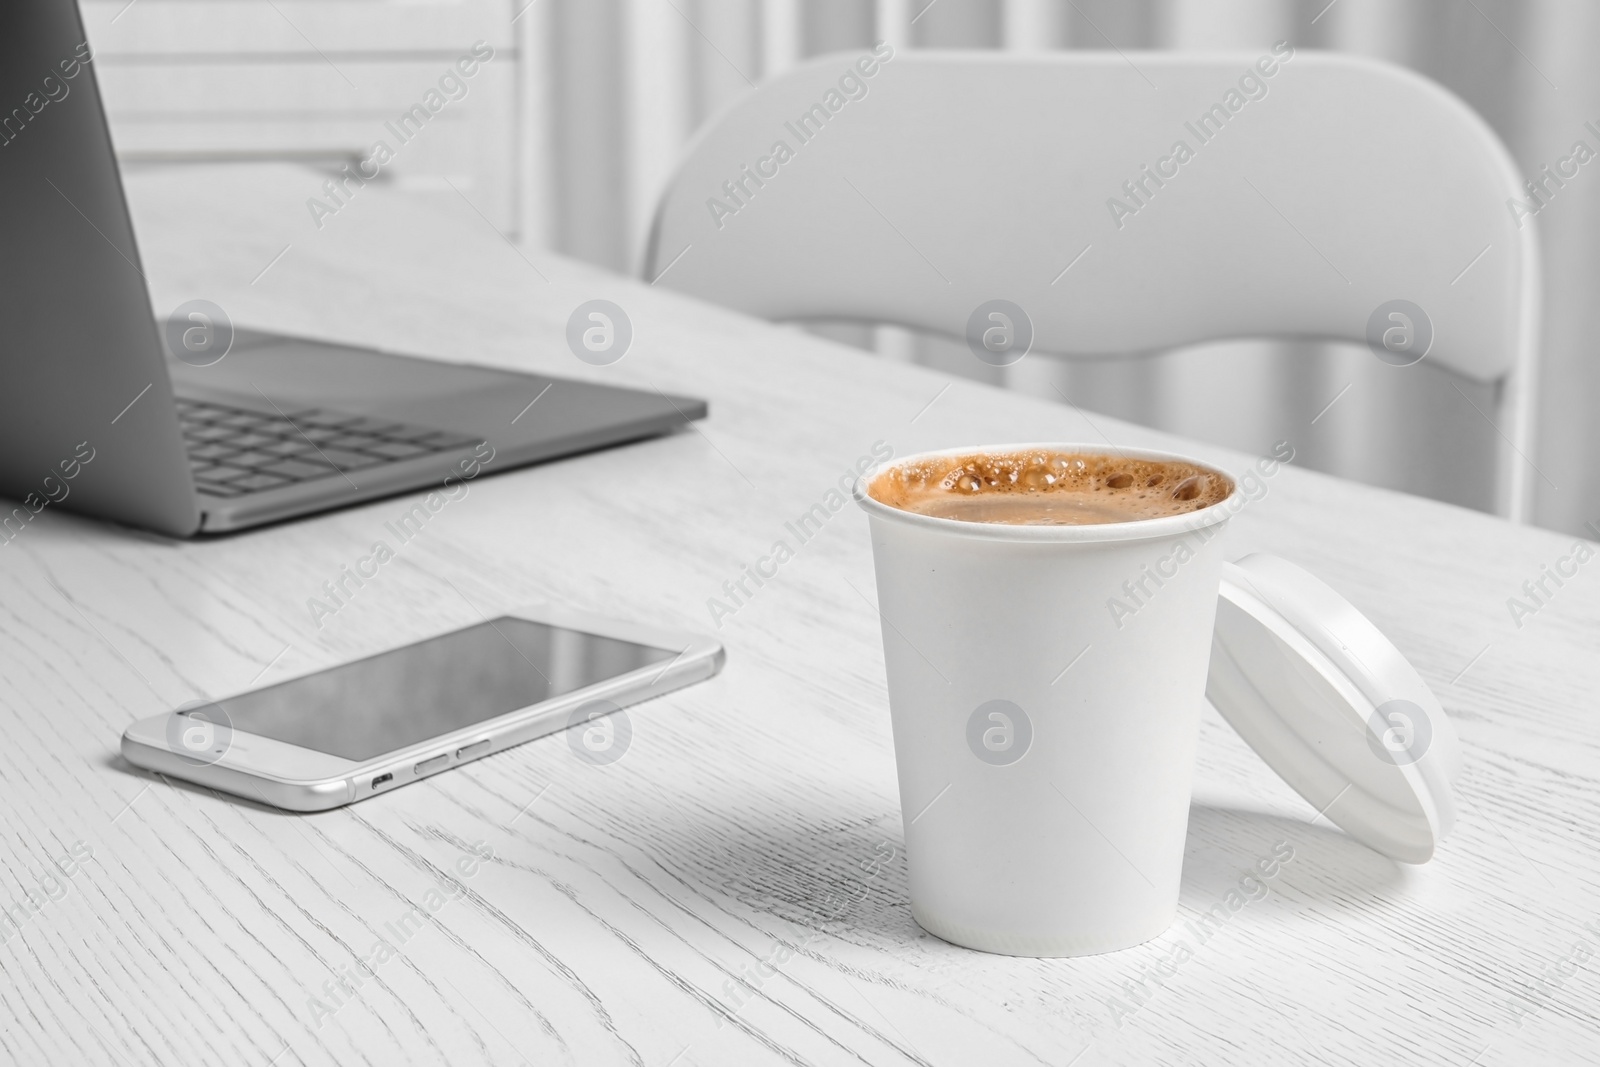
x=565 y=138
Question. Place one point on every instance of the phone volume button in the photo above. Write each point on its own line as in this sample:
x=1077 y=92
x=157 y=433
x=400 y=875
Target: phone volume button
x=477 y=748
x=428 y=766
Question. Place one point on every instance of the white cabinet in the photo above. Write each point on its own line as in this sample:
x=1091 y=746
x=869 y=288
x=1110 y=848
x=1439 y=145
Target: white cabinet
x=323 y=82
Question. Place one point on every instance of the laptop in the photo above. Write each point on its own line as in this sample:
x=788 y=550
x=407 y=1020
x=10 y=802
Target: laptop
x=98 y=414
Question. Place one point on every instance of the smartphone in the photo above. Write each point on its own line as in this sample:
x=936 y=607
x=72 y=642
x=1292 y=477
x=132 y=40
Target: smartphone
x=371 y=726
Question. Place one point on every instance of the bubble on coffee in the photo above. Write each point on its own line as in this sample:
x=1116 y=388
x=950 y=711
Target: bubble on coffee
x=1049 y=488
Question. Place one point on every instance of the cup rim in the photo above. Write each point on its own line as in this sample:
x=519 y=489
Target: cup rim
x=1133 y=530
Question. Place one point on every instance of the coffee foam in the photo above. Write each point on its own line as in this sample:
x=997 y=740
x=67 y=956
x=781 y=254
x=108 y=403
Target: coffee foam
x=1043 y=487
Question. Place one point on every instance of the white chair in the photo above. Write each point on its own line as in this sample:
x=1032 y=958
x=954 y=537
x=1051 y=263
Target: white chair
x=1307 y=199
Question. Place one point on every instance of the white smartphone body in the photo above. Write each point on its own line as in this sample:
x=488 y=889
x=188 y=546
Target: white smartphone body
x=352 y=731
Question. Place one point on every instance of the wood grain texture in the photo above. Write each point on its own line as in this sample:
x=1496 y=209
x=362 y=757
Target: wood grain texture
x=732 y=891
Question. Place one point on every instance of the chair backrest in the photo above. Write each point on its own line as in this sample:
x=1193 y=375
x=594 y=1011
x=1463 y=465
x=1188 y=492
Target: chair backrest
x=956 y=178
x=1125 y=203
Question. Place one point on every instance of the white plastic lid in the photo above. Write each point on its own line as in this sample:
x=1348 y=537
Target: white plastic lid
x=1332 y=706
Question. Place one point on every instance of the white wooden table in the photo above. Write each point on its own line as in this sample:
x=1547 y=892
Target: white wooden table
x=733 y=890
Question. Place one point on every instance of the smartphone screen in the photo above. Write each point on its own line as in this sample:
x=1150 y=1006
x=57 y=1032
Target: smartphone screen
x=407 y=695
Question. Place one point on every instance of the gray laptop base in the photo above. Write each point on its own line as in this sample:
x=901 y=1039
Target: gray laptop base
x=481 y=417
x=279 y=427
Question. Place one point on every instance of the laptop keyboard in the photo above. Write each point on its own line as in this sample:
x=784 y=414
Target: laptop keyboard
x=233 y=451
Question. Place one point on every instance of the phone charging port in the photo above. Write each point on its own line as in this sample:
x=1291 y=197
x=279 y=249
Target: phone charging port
x=382 y=779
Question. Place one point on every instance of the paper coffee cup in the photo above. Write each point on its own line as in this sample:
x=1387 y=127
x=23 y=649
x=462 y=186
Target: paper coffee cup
x=1045 y=686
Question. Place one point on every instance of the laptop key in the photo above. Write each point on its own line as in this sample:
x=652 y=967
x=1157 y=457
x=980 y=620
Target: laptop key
x=219 y=475
x=289 y=446
x=250 y=460
x=280 y=427
x=211 y=450
x=396 y=449
x=351 y=442
x=362 y=424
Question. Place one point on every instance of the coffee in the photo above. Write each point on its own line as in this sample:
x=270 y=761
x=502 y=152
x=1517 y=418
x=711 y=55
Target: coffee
x=1048 y=488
